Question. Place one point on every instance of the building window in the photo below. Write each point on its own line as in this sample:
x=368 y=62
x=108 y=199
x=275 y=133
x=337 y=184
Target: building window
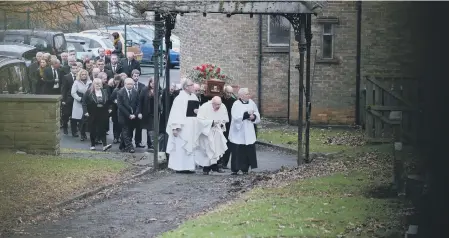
x=278 y=31
x=328 y=41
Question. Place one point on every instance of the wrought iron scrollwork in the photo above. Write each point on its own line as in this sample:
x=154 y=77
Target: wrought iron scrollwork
x=297 y=21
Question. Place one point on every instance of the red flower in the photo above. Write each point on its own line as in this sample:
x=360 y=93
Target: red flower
x=223 y=76
x=218 y=70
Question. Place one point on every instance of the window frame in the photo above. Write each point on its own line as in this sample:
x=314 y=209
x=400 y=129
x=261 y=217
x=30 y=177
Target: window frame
x=268 y=34
x=332 y=34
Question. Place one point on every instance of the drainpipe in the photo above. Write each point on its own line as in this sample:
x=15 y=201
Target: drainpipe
x=288 y=81
x=259 y=69
x=358 y=63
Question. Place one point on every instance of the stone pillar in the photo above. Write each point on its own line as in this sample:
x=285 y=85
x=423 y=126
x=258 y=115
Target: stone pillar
x=30 y=123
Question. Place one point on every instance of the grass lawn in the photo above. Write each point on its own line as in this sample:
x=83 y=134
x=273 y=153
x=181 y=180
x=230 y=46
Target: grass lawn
x=338 y=205
x=319 y=138
x=29 y=182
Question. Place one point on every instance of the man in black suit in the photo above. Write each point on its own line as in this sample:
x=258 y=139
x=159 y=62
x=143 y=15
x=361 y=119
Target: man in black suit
x=32 y=71
x=101 y=66
x=129 y=64
x=115 y=67
x=228 y=100
x=138 y=86
x=102 y=56
x=67 y=99
x=52 y=78
x=127 y=104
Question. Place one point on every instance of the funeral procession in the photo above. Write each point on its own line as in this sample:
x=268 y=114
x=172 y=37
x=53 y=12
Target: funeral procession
x=280 y=119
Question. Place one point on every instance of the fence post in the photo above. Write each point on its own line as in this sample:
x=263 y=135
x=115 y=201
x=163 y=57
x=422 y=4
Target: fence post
x=398 y=164
x=78 y=23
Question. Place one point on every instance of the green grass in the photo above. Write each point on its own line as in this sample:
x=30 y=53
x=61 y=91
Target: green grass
x=29 y=182
x=329 y=206
x=288 y=137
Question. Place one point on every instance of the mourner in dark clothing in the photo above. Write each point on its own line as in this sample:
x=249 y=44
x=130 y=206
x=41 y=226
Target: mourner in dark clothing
x=102 y=56
x=118 y=45
x=96 y=110
x=146 y=111
x=129 y=64
x=53 y=78
x=115 y=67
x=116 y=127
x=67 y=99
x=39 y=75
x=127 y=103
x=228 y=100
x=138 y=86
x=101 y=67
x=33 y=71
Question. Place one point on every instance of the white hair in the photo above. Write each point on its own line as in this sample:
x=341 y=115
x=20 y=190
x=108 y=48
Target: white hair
x=185 y=83
x=129 y=80
x=243 y=91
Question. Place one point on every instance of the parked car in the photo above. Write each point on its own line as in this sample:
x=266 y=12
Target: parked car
x=52 y=42
x=18 y=51
x=130 y=47
x=144 y=35
x=175 y=51
x=13 y=76
x=80 y=48
x=93 y=42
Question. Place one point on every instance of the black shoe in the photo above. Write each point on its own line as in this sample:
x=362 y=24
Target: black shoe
x=66 y=132
x=75 y=135
x=115 y=141
x=234 y=173
x=245 y=173
x=218 y=170
x=139 y=145
x=82 y=138
x=224 y=167
x=131 y=151
x=205 y=173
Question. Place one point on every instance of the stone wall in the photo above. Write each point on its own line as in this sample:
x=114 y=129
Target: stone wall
x=30 y=123
x=387 y=29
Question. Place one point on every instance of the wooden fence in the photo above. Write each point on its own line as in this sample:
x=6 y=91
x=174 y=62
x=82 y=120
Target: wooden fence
x=382 y=95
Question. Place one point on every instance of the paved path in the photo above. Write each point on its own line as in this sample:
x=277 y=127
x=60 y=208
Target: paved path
x=158 y=203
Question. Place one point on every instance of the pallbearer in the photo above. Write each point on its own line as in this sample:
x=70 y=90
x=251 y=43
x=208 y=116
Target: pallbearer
x=242 y=135
x=182 y=128
x=212 y=143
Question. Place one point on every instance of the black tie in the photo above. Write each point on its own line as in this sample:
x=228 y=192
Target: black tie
x=54 y=73
x=129 y=63
x=74 y=77
x=129 y=94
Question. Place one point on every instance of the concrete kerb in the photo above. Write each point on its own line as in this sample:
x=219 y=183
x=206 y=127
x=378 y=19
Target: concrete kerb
x=92 y=192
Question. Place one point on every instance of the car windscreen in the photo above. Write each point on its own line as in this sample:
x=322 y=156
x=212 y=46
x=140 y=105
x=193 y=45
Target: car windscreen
x=75 y=46
x=108 y=43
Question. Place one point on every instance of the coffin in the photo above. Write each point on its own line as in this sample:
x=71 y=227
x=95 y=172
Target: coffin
x=214 y=88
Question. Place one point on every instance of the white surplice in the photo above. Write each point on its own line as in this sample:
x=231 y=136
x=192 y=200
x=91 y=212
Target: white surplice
x=241 y=132
x=182 y=148
x=212 y=142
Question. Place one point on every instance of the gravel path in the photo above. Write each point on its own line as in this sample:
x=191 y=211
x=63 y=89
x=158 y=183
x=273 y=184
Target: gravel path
x=150 y=206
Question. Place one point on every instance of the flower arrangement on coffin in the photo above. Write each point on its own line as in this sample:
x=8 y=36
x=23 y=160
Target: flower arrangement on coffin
x=211 y=79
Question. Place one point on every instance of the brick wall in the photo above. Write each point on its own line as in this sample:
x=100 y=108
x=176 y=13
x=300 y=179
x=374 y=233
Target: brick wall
x=30 y=123
x=230 y=43
x=387 y=38
x=334 y=81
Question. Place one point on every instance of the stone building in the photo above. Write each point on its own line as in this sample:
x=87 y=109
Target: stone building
x=263 y=49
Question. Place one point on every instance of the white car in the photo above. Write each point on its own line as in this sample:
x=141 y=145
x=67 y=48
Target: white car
x=93 y=41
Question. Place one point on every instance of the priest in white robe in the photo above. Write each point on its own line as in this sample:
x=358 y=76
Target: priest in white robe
x=242 y=133
x=212 y=142
x=182 y=128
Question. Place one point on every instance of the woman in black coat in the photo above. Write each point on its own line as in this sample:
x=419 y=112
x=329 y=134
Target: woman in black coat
x=117 y=84
x=146 y=109
x=118 y=45
x=96 y=109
